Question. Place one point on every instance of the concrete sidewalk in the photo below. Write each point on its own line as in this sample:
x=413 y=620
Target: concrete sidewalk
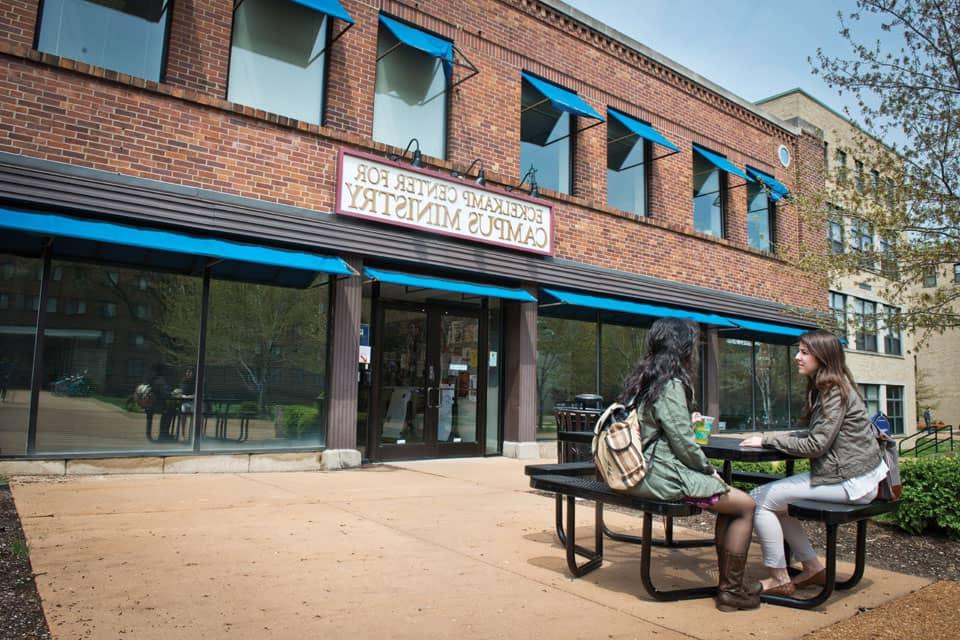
x=438 y=549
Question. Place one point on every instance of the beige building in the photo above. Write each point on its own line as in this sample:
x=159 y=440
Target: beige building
x=938 y=361
x=882 y=360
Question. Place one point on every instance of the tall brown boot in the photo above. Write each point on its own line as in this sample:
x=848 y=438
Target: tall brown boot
x=752 y=587
x=731 y=594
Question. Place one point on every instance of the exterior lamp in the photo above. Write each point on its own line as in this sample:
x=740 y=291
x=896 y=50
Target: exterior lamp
x=531 y=174
x=417 y=160
x=481 y=175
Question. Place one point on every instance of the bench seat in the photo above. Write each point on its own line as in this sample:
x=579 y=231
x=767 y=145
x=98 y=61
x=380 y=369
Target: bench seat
x=832 y=513
x=586 y=468
x=599 y=492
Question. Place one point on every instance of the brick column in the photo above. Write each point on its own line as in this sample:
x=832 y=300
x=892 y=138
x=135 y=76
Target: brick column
x=520 y=378
x=342 y=370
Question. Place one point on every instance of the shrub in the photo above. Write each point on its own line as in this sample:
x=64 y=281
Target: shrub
x=931 y=495
x=300 y=420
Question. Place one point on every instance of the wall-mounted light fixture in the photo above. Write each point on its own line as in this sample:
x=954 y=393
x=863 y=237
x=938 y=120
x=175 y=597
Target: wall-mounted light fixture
x=417 y=159
x=531 y=174
x=481 y=175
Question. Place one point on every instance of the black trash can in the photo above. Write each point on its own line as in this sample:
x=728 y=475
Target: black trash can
x=588 y=401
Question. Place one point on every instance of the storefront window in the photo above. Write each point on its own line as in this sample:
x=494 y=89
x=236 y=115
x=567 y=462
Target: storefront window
x=118 y=381
x=759 y=387
x=621 y=347
x=18 y=322
x=566 y=366
x=277 y=58
x=266 y=350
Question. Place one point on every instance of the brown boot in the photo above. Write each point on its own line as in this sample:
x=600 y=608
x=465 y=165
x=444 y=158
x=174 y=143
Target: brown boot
x=731 y=594
x=752 y=587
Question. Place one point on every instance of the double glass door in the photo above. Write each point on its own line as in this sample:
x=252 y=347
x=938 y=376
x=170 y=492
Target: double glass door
x=429 y=397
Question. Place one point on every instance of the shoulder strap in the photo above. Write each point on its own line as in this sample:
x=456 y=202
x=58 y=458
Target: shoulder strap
x=602 y=420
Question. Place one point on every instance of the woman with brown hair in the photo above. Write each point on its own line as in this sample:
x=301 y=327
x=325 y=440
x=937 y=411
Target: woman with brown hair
x=845 y=461
x=659 y=386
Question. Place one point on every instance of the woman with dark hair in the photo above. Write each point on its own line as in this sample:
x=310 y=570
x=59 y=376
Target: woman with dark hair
x=659 y=386
x=845 y=461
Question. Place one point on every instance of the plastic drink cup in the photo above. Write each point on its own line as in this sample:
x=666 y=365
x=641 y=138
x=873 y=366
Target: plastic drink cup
x=702 y=428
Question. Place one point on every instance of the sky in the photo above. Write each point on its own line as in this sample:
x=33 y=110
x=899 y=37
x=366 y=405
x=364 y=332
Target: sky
x=752 y=48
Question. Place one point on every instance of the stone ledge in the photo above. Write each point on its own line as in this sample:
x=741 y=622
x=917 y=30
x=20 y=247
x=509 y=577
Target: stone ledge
x=237 y=463
x=300 y=461
x=106 y=466
x=33 y=467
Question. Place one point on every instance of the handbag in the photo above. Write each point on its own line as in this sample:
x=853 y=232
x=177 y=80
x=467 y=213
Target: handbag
x=889 y=488
x=617 y=447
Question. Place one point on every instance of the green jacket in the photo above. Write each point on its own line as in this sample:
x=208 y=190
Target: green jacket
x=677 y=467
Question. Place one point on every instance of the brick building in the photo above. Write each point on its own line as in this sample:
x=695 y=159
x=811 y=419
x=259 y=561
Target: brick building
x=314 y=225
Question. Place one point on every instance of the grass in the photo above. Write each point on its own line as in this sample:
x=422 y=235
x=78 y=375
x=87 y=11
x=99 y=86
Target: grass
x=20 y=549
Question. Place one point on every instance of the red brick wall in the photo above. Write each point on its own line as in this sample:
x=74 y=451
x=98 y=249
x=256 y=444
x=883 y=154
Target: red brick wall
x=183 y=131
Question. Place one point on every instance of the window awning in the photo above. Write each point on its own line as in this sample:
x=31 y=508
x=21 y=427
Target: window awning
x=645 y=131
x=777 y=189
x=164 y=250
x=442 y=284
x=562 y=99
x=636 y=308
x=721 y=163
x=768 y=327
x=332 y=8
x=421 y=40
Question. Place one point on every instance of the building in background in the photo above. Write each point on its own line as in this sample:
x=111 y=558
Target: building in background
x=882 y=359
x=937 y=360
x=404 y=229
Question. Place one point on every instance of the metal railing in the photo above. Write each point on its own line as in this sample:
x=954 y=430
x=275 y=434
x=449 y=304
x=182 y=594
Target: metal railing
x=929 y=439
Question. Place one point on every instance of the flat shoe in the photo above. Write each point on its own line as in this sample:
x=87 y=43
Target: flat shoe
x=818 y=579
x=785 y=589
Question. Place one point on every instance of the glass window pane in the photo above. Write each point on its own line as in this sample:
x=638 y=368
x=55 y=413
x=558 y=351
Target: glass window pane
x=798 y=388
x=266 y=367
x=124 y=36
x=621 y=347
x=895 y=408
x=566 y=366
x=18 y=332
x=277 y=58
x=102 y=389
x=626 y=169
x=707 y=199
x=544 y=140
x=759 y=223
x=736 y=385
x=770 y=386
x=410 y=100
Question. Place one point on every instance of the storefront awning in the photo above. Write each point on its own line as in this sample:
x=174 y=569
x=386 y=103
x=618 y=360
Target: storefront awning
x=721 y=163
x=636 y=308
x=441 y=284
x=332 y=8
x=562 y=99
x=165 y=250
x=421 y=40
x=767 y=327
x=777 y=189
x=643 y=130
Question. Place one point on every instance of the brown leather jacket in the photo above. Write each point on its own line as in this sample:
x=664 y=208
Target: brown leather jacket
x=840 y=441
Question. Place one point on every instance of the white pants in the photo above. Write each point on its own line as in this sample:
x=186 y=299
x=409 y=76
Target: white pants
x=772 y=524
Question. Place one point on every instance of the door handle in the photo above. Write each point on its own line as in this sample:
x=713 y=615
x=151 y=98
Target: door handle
x=430 y=405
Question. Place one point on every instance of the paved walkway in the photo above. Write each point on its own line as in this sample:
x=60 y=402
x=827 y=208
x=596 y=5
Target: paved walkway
x=439 y=549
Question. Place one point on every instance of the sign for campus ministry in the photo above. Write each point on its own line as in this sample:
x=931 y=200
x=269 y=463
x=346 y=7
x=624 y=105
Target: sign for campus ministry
x=391 y=193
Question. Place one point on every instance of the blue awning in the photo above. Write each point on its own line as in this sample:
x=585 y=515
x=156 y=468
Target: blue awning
x=562 y=99
x=767 y=327
x=777 y=189
x=441 y=284
x=332 y=8
x=721 y=163
x=645 y=131
x=637 y=308
x=421 y=40
x=165 y=250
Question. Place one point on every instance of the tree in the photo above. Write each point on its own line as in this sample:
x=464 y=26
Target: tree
x=907 y=88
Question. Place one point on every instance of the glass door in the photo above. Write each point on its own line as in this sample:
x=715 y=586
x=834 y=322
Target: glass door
x=429 y=387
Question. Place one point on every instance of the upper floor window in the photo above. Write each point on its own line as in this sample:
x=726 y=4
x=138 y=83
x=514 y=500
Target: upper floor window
x=709 y=191
x=128 y=37
x=841 y=161
x=410 y=98
x=629 y=149
x=548 y=120
x=956 y=273
x=278 y=56
x=875 y=183
x=835 y=235
x=838 y=306
x=861 y=239
x=865 y=313
x=930 y=277
x=892 y=342
x=759 y=218
x=858 y=176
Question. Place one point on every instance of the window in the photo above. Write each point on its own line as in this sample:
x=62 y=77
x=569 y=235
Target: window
x=277 y=58
x=890 y=193
x=708 y=194
x=875 y=183
x=826 y=156
x=861 y=239
x=892 y=342
x=930 y=277
x=141 y=311
x=8 y=270
x=838 y=305
x=865 y=314
x=142 y=283
x=52 y=305
x=410 y=98
x=57 y=274
x=129 y=37
x=956 y=274
x=888 y=262
x=109 y=309
x=545 y=139
x=627 y=156
x=895 y=407
x=111 y=278
x=76 y=307
x=858 y=177
x=760 y=388
x=871 y=398
x=835 y=232
x=760 y=217
x=841 y=162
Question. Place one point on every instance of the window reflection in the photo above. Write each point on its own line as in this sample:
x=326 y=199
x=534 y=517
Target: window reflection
x=707 y=197
x=566 y=366
x=17 y=335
